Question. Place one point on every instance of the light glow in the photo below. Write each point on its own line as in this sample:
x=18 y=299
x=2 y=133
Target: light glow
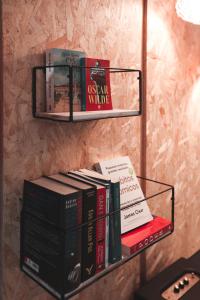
x=189 y=10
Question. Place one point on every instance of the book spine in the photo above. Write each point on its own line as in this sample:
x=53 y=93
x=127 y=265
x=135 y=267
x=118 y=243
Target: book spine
x=49 y=82
x=108 y=195
x=89 y=234
x=100 y=230
x=150 y=239
x=73 y=241
x=115 y=251
x=106 y=185
x=83 y=84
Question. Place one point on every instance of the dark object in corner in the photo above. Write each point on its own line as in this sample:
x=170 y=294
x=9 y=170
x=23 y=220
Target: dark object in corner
x=181 y=281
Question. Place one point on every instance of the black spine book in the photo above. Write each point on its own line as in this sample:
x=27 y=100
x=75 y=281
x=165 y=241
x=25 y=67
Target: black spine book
x=44 y=200
x=50 y=253
x=89 y=225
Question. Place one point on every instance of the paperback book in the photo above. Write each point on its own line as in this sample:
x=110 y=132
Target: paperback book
x=132 y=215
x=95 y=81
x=57 y=80
x=141 y=237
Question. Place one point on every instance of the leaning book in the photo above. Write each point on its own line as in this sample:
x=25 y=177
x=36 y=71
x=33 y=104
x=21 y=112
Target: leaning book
x=95 y=82
x=57 y=79
x=134 y=215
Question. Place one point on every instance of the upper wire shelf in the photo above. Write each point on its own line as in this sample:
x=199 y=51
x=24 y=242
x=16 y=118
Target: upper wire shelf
x=122 y=79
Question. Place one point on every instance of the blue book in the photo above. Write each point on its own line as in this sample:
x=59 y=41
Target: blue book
x=57 y=79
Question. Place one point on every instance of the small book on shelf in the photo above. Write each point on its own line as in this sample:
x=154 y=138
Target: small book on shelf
x=113 y=209
x=50 y=238
x=57 y=80
x=95 y=82
x=132 y=215
x=89 y=226
x=143 y=236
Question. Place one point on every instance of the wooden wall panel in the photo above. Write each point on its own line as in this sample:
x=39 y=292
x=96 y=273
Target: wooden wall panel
x=1 y=155
x=107 y=29
x=104 y=29
x=173 y=116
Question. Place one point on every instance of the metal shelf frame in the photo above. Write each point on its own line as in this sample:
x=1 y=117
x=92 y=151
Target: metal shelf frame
x=71 y=117
x=165 y=189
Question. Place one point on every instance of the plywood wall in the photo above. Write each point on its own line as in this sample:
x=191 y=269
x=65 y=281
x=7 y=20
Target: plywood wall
x=104 y=29
x=173 y=119
x=108 y=29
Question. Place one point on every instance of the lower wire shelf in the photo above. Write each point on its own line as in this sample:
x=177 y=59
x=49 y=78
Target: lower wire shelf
x=148 y=237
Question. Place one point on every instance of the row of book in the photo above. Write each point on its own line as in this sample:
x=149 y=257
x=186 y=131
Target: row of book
x=75 y=224
x=90 y=81
x=66 y=228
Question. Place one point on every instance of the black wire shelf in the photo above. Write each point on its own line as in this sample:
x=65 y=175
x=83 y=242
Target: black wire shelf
x=163 y=192
x=39 y=97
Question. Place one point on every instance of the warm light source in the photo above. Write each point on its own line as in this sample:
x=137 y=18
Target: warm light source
x=189 y=10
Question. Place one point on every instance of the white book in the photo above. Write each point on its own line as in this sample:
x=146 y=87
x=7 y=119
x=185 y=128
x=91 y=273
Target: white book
x=121 y=169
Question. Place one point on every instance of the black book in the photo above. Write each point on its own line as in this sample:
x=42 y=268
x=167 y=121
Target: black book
x=89 y=225
x=101 y=238
x=52 y=202
x=51 y=241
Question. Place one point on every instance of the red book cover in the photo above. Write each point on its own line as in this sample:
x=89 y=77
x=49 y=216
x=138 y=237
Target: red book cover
x=100 y=224
x=100 y=229
x=95 y=80
x=145 y=235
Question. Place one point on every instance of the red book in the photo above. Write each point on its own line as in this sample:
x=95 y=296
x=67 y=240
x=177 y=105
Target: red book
x=145 y=235
x=100 y=229
x=95 y=81
x=100 y=224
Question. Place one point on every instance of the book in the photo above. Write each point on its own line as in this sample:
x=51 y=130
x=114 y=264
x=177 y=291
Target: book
x=114 y=232
x=132 y=215
x=106 y=184
x=145 y=235
x=95 y=82
x=100 y=224
x=88 y=261
x=53 y=202
x=50 y=246
x=48 y=254
x=57 y=80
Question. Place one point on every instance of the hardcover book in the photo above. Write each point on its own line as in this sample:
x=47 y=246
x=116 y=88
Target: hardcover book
x=121 y=169
x=101 y=223
x=52 y=202
x=49 y=254
x=95 y=81
x=89 y=228
x=57 y=80
x=113 y=208
x=50 y=237
x=145 y=235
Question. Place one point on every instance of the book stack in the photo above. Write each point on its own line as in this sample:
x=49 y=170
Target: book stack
x=67 y=235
